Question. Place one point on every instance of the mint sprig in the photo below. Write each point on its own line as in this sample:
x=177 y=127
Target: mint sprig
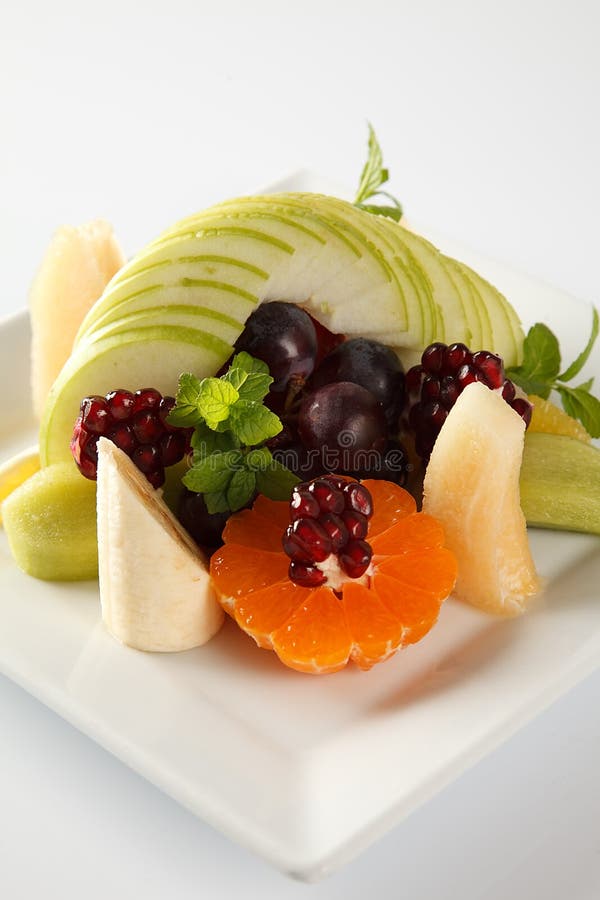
x=373 y=175
x=231 y=424
x=540 y=374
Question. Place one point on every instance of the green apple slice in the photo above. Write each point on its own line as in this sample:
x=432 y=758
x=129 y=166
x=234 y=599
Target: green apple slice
x=471 y=301
x=507 y=330
x=147 y=356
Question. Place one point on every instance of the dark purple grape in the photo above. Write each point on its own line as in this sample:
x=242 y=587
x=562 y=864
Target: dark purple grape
x=283 y=336
x=345 y=423
x=205 y=528
x=369 y=364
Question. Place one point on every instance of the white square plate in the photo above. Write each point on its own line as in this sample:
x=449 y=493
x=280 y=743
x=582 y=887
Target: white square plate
x=305 y=771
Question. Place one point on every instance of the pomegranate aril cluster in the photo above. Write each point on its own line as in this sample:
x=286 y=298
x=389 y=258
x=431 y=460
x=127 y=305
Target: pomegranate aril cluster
x=329 y=516
x=434 y=386
x=137 y=424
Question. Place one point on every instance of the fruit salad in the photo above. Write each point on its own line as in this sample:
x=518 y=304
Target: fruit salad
x=298 y=412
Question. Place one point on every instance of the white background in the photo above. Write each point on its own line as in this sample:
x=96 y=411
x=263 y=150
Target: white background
x=488 y=115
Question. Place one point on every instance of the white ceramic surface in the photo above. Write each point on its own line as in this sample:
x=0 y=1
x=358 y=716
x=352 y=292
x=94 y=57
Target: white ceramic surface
x=305 y=771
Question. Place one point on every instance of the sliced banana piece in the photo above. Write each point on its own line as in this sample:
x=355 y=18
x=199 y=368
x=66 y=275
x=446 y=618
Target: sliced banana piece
x=155 y=588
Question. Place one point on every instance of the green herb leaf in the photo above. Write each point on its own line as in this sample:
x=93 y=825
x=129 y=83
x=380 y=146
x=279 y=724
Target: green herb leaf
x=185 y=413
x=259 y=459
x=250 y=377
x=241 y=489
x=582 y=405
x=205 y=442
x=578 y=364
x=216 y=502
x=372 y=177
x=541 y=362
x=275 y=481
x=213 y=473
x=253 y=423
x=215 y=400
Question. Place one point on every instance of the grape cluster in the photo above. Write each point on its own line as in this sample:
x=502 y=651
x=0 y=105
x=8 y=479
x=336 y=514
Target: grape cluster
x=434 y=386
x=329 y=516
x=137 y=424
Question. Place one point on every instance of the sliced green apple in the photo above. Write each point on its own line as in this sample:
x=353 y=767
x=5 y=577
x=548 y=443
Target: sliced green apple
x=507 y=331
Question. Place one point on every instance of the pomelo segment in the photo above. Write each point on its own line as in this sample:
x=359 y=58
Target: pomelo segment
x=472 y=487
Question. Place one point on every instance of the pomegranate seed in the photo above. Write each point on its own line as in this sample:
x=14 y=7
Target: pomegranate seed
x=329 y=498
x=491 y=366
x=336 y=529
x=356 y=558
x=156 y=477
x=123 y=437
x=172 y=448
x=357 y=497
x=147 y=427
x=306 y=540
x=96 y=415
x=303 y=504
x=433 y=358
x=337 y=483
x=430 y=389
x=449 y=391
x=356 y=523
x=146 y=398
x=508 y=390
x=456 y=355
x=120 y=404
x=164 y=408
x=467 y=375
x=305 y=575
x=412 y=380
x=147 y=458
x=433 y=416
x=523 y=408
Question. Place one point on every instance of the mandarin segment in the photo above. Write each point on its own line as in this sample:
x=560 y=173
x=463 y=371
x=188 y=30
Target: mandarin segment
x=415 y=609
x=316 y=639
x=236 y=571
x=252 y=530
x=262 y=612
x=390 y=503
x=432 y=570
x=414 y=532
x=376 y=632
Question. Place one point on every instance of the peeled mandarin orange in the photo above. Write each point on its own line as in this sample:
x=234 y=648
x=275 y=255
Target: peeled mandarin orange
x=319 y=630
x=548 y=417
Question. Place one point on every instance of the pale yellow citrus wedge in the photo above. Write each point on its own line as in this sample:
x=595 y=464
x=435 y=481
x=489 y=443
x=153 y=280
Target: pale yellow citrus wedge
x=16 y=470
x=472 y=487
x=76 y=268
x=547 y=417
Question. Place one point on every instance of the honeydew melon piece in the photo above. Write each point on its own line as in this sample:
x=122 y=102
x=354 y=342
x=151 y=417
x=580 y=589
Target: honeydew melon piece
x=208 y=321
x=50 y=522
x=560 y=483
x=150 y=356
x=507 y=331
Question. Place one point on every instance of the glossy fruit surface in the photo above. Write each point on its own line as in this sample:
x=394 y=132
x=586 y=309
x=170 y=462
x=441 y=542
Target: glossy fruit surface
x=317 y=629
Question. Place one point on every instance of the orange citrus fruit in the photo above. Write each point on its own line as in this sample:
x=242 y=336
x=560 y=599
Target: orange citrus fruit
x=318 y=630
x=548 y=417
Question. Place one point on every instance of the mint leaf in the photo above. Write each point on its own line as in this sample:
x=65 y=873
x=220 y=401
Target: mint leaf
x=259 y=459
x=275 y=481
x=205 y=442
x=541 y=362
x=248 y=364
x=578 y=364
x=241 y=489
x=215 y=400
x=372 y=177
x=216 y=502
x=213 y=473
x=582 y=405
x=185 y=413
x=250 y=377
x=253 y=423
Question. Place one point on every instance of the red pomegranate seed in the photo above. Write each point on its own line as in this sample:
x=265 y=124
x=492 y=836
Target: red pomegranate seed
x=357 y=497
x=305 y=575
x=337 y=531
x=146 y=398
x=164 y=408
x=508 y=390
x=433 y=358
x=306 y=540
x=96 y=415
x=120 y=404
x=449 y=391
x=491 y=366
x=523 y=408
x=123 y=437
x=146 y=426
x=413 y=379
x=456 y=355
x=467 y=374
x=356 y=523
x=430 y=389
x=433 y=416
x=303 y=504
x=329 y=498
x=173 y=448
x=147 y=458
x=156 y=477
x=355 y=558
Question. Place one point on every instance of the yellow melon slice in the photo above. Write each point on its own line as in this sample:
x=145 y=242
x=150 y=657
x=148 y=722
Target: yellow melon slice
x=77 y=266
x=472 y=486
